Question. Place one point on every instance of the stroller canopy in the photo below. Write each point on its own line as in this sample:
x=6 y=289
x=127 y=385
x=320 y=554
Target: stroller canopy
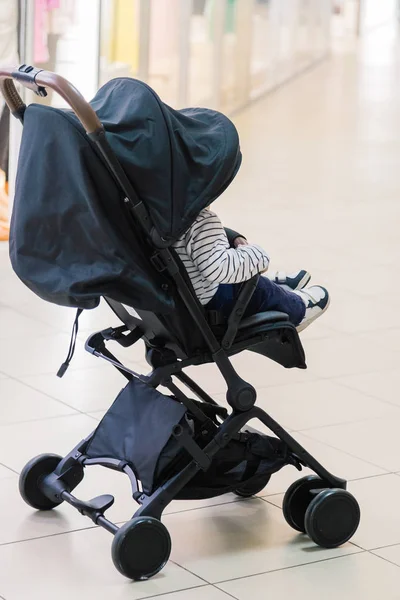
x=71 y=239
x=179 y=161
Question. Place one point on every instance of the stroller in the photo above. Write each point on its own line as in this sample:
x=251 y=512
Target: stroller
x=103 y=191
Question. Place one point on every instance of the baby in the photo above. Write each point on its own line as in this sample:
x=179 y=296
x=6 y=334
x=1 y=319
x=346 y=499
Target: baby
x=216 y=270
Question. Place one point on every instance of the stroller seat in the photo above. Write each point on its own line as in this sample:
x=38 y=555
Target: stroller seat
x=116 y=183
x=271 y=316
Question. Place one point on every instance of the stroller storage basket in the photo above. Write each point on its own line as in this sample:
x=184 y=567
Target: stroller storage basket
x=138 y=429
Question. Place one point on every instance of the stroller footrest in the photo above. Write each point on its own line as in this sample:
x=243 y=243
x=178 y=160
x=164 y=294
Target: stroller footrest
x=94 y=509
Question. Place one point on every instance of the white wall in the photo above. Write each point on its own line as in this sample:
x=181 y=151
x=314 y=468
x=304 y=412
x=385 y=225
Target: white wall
x=374 y=13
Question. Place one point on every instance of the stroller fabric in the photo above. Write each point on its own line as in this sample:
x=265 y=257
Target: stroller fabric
x=138 y=429
x=73 y=239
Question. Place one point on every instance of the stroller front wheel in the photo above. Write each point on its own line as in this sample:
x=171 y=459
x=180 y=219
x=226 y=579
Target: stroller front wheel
x=332 y=518
x=141 y=548
x=31 y=477
x=297 y=499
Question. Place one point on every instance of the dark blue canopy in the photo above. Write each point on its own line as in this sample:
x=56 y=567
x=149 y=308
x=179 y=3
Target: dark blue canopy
x=72 y=239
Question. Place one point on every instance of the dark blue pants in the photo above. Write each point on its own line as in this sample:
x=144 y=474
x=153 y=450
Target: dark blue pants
x=267 y=296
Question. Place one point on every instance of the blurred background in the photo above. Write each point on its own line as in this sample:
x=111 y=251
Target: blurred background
x=222 y=54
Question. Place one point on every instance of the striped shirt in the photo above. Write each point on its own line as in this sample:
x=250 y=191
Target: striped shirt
x=209 y=260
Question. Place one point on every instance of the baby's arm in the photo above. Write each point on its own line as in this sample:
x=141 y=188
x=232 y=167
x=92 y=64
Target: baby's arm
x=233 y=236
x=208 y=246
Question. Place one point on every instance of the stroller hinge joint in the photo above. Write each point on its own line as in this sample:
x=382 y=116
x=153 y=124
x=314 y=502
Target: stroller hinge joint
x=186 y=440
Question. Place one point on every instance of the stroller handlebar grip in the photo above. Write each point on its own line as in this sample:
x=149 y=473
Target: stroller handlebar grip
x=38 y=80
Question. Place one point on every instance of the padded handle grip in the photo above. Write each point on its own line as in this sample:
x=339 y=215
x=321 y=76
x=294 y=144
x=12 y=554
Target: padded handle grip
x=37 y=80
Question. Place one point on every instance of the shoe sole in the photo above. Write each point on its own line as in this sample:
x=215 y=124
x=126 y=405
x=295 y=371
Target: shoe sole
x=303 y=282
x=301 y=328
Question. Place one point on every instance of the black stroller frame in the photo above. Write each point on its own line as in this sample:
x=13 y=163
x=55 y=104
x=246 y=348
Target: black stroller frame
x=318 y=505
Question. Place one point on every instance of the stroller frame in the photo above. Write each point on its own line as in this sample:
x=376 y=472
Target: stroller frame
x=54 y=478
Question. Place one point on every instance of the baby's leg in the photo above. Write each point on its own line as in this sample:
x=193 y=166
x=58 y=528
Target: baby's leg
x=290 y=281
x=271 y=296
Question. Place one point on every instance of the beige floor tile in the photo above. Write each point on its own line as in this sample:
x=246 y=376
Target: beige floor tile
x=62 y=318
x=391 y=553
x=347 y=356
x=339 y=463
x=78 y=565
x=317 y=332
x=22 y=403
x=17 y=325
x=318 y=403
x=20 y=442
x=97 y=414
x=375 y=440
x=354 y=314
x=87 y=390
x=384 y=385
x=358 y=577
x=5 y=473
x=14 y=292
x=207 y=592
x=358 y=281
x=240 y=539
x=380 y=519
x=386 y=340
x=41 y=355
x=59 y=317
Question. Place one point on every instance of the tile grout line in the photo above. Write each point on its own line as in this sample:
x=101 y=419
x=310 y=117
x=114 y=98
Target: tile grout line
x=367 y=394
x=383 y=547
x=9 y=468
x=376 y=418
x=13 y=378
x=383 y=558
x=195 y=587
x=224 y=592
x=314 y=562
x=387 y=472
x=51 y=535
x=348 y=480
x=53 y=417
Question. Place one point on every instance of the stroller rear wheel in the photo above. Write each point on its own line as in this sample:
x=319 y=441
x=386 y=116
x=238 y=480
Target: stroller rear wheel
x=32 y=475
x=332 y=518
x=141 y=548
x=297 y=499
x=247 y=490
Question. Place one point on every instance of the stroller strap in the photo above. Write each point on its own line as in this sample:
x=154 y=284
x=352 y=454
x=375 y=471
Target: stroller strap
x=75 y=328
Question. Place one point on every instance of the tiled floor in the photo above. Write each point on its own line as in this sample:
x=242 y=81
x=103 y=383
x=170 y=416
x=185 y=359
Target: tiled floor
x=320 y=189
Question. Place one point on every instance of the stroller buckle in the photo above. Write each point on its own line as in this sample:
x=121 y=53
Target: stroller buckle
x=157 y=262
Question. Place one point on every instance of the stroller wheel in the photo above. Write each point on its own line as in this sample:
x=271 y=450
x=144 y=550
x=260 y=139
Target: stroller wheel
x=332 y=518
x=247 y=490
x=297 y=499
x=32 y=475
x=141 y=548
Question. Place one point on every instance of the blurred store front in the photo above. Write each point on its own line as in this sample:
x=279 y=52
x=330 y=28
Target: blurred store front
x=218 y=53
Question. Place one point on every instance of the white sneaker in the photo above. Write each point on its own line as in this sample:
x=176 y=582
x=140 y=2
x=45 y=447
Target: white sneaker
x=291 y=281
x=316 y=299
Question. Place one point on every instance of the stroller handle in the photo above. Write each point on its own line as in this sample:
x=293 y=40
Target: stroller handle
x=38 y=80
